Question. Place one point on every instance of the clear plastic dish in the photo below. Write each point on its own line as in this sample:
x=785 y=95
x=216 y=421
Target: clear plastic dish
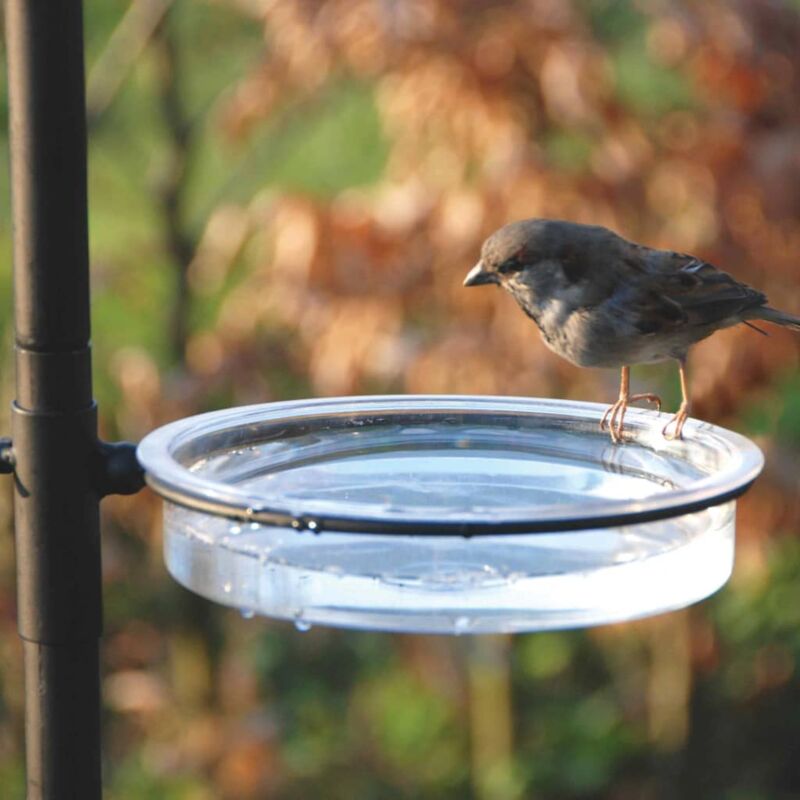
x=446 y=514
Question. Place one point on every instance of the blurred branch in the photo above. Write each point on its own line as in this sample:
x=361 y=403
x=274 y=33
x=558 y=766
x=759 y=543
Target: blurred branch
x=669 y=681
x=123 y=48
x=171 y=186
x=491 y=718
x=195 y=655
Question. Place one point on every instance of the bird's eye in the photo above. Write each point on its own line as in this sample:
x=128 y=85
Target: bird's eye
x=512 y=264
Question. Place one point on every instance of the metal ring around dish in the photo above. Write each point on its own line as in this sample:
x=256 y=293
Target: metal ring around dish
x=173 y=481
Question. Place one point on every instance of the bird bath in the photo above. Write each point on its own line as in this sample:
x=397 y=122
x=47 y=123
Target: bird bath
x=446 y=514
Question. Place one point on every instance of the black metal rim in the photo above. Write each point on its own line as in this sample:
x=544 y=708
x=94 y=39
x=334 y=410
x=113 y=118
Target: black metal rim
x=321 y=524
x=198 y=437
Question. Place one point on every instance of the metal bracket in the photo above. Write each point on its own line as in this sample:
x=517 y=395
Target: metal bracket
x=8 y=459
x=117 y=470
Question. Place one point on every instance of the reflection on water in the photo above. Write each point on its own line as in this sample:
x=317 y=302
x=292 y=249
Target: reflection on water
x=450 y=471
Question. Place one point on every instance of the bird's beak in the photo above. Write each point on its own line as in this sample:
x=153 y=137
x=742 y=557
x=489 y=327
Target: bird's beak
x=478 y=276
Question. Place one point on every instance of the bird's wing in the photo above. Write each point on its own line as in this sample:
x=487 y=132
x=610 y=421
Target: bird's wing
x=677 y=289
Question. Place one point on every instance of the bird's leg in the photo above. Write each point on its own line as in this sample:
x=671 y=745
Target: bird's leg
x=679 y=420
x=614 y=417
x=615 y=413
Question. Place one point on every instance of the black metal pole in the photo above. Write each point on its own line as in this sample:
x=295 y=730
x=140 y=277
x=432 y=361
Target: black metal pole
x=54 y=418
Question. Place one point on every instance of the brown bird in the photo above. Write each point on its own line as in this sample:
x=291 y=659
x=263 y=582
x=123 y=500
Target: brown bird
x=602 y=301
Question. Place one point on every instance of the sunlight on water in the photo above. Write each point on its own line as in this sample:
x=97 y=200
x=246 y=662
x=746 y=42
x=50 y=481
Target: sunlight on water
x=471 y=472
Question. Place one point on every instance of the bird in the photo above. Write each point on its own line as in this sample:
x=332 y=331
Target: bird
x=600 y=300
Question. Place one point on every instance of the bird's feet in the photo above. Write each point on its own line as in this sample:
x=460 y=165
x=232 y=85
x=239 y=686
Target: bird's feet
x=614 y=418
x=676 y=423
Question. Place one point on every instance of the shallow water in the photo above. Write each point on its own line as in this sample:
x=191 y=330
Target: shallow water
x=425 y=467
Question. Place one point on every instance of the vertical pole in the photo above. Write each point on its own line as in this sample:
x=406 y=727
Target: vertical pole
x=53 y=416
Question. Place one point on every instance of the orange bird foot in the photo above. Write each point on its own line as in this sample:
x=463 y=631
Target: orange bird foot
x=614 y=418
x=676 y=423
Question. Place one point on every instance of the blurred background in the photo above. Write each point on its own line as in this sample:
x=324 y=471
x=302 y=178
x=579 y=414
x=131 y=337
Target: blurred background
x=284 y=199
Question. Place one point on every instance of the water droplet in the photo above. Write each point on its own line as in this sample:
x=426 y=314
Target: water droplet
x=248 y=512
x=296 y=524
x=461 y=625
x=301 y=624
x=313 y=526
x=227 y=587
x=247 y=613
x=235 y=530
x=254 y=526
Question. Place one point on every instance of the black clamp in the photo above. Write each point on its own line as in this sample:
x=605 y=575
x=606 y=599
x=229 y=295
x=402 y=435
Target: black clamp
x=116 y=468
x=7 y=458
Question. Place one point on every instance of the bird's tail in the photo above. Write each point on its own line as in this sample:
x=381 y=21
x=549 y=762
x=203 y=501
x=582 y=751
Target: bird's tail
x=777 y=317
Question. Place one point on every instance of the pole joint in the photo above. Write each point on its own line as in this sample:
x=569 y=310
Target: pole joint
x=8 y=459
x=117 y=469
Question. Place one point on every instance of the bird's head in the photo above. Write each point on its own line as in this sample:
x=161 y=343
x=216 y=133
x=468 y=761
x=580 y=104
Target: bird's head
x=506 y=252
x=536 y=259
x=522 y=253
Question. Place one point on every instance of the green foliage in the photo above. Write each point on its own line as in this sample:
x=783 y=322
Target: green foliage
x=569 y=151
x=741 y=719
x=775 y=413
x=545 y=656
x=12 y=779
x=135 y=780
x=337 y=143
x=767 y=609
x=645 y=87
x=614 y=21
